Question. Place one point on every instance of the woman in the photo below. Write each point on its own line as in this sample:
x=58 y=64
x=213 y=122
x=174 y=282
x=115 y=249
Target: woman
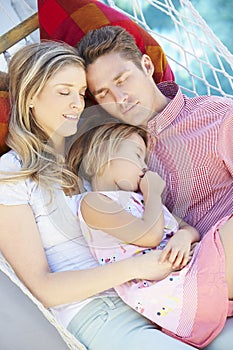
x=40 y=235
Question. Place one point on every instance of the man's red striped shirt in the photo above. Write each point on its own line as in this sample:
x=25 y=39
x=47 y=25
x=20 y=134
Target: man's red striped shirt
x=191 y=147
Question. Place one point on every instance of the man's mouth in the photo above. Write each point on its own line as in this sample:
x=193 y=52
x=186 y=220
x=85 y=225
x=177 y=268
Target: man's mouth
x=129 y=108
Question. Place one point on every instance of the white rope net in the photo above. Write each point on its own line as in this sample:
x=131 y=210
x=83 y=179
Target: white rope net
x=199 y=60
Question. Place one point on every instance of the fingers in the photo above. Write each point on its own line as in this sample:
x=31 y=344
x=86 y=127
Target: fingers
x=171 y=254
x=185 y=260
x=177 y=258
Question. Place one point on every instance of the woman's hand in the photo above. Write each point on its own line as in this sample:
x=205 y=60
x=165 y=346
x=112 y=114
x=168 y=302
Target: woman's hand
x=148 y=266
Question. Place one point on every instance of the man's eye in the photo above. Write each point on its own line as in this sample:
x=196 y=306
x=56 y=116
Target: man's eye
x=119 y=82
x=102 y=94
x=64 y=93
x=122 y=80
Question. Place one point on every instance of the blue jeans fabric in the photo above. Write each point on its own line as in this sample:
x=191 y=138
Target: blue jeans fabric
x=109 y=324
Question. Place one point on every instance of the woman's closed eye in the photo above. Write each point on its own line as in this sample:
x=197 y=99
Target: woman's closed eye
x=67 y=93
x=64 y=92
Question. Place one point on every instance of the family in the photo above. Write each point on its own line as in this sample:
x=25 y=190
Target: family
x=126 y=233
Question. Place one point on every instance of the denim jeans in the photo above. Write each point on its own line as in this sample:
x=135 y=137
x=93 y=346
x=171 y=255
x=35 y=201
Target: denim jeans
x=109 y=324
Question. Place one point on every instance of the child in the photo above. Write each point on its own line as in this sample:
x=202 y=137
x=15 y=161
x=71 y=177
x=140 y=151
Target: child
x=124 y=216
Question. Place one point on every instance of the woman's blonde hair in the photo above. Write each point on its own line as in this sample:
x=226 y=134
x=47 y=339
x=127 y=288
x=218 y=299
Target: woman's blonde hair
x=95 y=147
x=29 y=70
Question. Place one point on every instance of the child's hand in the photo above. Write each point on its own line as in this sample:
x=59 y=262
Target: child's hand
x=151 y=183
x=177 y=250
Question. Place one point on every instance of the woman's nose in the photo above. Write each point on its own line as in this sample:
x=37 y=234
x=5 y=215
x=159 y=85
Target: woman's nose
x=77 y=103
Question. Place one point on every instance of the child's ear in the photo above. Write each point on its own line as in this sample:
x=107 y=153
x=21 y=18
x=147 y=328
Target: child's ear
x=147 y=65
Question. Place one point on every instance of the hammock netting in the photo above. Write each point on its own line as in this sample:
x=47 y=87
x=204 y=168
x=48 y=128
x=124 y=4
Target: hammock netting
x=199 y=60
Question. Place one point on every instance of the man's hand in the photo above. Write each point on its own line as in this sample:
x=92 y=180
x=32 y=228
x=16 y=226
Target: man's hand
x=178 y=250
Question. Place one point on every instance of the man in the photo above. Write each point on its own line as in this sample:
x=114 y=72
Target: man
x=191 y=144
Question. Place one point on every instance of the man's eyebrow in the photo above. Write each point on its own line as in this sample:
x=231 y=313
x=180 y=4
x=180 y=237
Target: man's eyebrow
x=120 y=74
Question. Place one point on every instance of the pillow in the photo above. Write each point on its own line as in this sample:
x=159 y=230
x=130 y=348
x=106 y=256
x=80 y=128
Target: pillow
x=70 y=20
x=4 y=118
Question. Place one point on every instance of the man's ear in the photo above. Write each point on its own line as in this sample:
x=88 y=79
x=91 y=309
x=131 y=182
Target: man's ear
x=147 y=65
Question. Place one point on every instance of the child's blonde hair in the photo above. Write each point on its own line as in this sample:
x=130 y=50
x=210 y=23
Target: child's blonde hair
x=95 y=147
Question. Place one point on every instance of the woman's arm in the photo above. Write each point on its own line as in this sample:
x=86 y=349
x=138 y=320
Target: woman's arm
x=21 y=245
x=102 y=213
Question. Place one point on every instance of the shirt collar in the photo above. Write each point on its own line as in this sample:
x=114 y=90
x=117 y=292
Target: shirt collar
x=161 y=120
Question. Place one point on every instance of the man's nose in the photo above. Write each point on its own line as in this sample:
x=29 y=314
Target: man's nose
x=119 y=95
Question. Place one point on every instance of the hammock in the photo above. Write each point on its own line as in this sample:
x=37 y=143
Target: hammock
x=199 y=60
x=194 y=53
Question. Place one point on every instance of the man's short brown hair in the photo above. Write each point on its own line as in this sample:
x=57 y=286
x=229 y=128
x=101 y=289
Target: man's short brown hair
x=101 y=41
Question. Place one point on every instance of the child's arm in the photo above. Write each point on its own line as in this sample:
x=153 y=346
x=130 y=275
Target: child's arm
x=102 y=213
x=179 y=247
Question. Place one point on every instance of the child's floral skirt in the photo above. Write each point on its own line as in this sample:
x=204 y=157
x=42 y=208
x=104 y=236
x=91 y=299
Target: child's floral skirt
x=192 y=304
